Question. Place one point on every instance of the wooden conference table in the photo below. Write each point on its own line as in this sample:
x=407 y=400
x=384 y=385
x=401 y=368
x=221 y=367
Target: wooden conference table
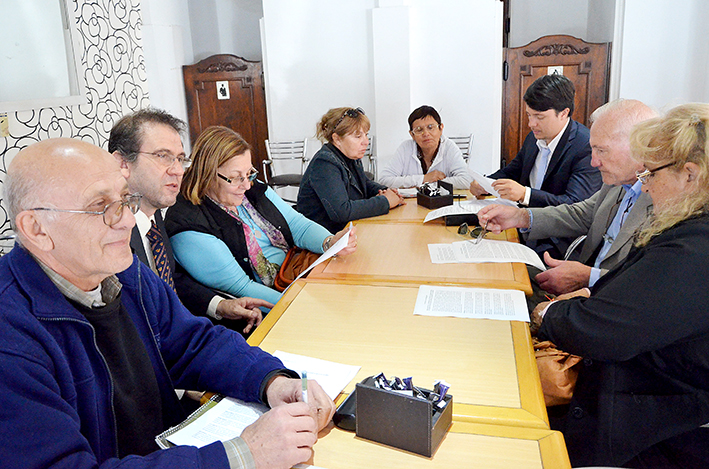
x=397 y=253
x=412 y=212
x=489 y=364
x=466 y=445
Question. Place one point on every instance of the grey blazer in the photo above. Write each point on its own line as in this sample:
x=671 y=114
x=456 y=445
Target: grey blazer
x=591 y=217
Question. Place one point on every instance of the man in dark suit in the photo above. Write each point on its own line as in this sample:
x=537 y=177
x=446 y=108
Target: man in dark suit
x=148 y=146
x=554 y=165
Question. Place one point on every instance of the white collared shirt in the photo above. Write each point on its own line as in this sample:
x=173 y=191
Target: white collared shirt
x=540 y=145
x=144 y=222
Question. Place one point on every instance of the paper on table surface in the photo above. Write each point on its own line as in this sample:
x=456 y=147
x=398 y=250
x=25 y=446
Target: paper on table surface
x=331 y=376
x=467 y=207
x=485 y=183
x=334 y=249
x=408 y=192
x=226 y=420
x=475 y=303
x=487 y=250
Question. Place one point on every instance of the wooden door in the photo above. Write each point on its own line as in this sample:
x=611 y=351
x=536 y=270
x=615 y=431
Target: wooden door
x=586 y=64
x=228 y=90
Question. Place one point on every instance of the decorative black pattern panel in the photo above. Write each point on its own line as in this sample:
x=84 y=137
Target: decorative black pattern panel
x=114 y=73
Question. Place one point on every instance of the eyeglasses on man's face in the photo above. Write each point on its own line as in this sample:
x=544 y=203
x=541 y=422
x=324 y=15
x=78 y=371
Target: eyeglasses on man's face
x=112 y=213
x=427 y=128
x=167 y=159
x=353 y=113
x=253 y=174
x=644 y=176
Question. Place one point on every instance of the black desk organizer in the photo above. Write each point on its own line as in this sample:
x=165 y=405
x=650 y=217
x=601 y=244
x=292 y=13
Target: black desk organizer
x=437 y=201
x=398 y=420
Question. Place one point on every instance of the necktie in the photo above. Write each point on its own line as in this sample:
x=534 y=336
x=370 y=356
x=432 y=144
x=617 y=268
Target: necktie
x=162 y=265
x=540 y=168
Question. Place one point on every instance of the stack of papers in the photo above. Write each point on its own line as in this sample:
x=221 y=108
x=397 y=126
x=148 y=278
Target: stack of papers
x=229 y=417
x=475 y=303
x=487 y=250
x=465 y=208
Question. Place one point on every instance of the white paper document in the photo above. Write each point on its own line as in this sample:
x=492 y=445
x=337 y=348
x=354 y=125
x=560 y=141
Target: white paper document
x=331 y=376
x=487 y=250
x=464 y=208
x=474 y=303
x=334 y=249
x=408 y=192
x=485 y=183
x=226 y=420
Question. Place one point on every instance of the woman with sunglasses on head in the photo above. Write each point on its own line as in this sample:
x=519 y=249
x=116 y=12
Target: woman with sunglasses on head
x=334 y=189
x=642 y=394
x=231 y=231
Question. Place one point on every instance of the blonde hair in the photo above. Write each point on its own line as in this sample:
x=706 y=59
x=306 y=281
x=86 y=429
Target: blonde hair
x=215 y=146
x=677 y=138
x=336 y=122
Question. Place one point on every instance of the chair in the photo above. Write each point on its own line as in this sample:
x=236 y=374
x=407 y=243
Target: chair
x=371 y=171
x=465 y=143
x=6 y=243
x=279 y=154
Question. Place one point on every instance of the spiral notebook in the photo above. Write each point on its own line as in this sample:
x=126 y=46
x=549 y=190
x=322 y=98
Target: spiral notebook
x=219 y=419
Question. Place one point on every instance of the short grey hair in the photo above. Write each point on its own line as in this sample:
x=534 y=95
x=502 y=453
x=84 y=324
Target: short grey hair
x=22 y=191
x=627 y=113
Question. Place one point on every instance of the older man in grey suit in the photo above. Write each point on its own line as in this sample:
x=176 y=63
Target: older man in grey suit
x=608 y=219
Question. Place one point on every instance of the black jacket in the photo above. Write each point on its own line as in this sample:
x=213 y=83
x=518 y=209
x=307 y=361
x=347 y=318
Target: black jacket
x=644 y=334
x=209 y=218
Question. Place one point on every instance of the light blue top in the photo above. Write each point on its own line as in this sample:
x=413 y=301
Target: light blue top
x=211 y=263
x=631 y=195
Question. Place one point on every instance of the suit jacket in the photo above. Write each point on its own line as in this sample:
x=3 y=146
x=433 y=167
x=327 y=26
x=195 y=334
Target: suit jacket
x=194 y=295
x=644 y=336
x=569 y=177
x=592 y=217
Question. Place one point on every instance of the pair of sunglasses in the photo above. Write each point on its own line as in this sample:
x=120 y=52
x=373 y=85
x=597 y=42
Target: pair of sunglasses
x=477 y=233
x=353 y=113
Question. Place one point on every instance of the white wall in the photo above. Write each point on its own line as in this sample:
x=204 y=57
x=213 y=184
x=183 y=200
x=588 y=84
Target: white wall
x=601 y=21
x=225 y=27
x=389 y=60
x=665 y=52
x=532 y=19
x=167 y=44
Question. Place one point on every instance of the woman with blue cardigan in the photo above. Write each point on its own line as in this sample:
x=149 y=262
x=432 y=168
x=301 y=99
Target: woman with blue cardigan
x=334 y=189
x=230 y=231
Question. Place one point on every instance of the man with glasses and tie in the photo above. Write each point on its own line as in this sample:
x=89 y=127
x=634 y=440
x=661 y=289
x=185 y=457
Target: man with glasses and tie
x=148 y=146
x=554 y=165
x=427 y=157
x=93 y=343
x=608 y=219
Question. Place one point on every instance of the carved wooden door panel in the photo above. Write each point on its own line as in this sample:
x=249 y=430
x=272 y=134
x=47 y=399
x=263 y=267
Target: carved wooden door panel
x=228 y=90
x=586 y=64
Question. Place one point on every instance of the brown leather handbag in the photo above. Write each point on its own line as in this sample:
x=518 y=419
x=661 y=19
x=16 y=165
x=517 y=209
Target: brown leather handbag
x=558 y=371
x=296 y=261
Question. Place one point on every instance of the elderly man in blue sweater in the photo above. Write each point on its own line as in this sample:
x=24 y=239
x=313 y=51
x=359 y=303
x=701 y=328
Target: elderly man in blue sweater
x=93 y=343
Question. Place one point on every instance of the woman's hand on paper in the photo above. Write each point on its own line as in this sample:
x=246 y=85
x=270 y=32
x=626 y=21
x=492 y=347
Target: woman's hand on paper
x=351 y=243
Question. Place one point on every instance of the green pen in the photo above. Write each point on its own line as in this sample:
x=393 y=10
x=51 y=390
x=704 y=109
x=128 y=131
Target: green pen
x=304 y=385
